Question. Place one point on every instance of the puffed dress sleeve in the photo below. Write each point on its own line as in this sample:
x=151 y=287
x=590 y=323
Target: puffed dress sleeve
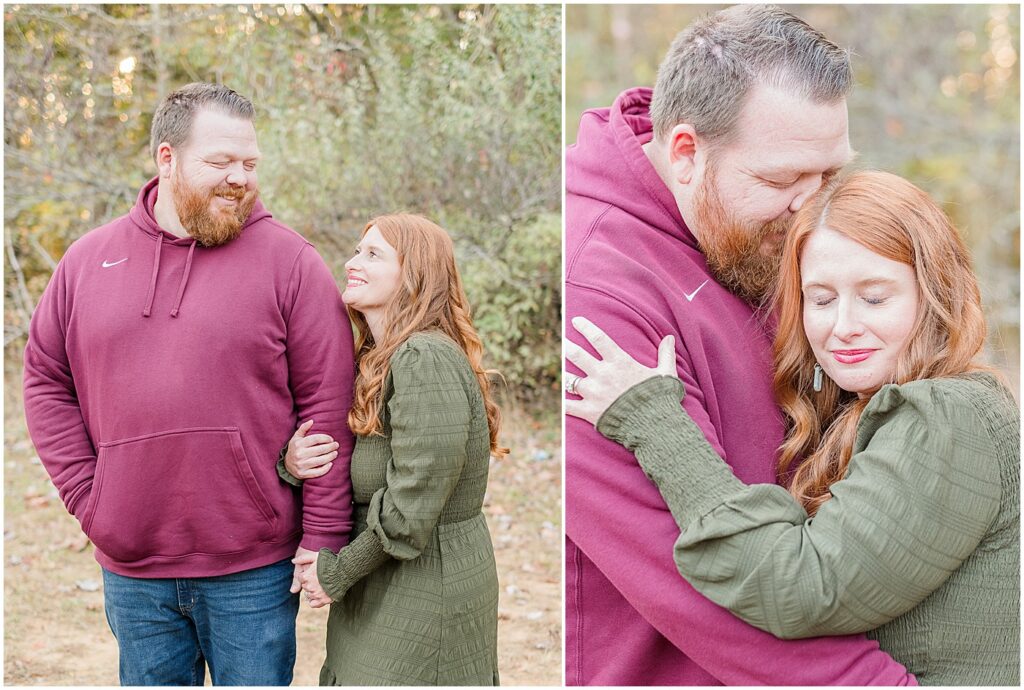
x=430 y=417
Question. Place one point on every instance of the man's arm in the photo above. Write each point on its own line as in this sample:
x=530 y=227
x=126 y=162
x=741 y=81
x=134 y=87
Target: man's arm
x=52 y=411
x=320 y=372
x=619 y=520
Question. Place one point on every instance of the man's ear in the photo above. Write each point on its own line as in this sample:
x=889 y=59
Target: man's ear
x=682 y=152
x=164 y=159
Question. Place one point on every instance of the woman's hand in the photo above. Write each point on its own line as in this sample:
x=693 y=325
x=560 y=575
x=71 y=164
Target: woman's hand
x=309 y=456
x=315 y=594
x=605 y=379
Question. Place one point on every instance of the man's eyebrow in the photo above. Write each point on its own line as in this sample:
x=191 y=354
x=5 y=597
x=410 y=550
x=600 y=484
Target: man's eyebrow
x=226 y=154
x=779 y=171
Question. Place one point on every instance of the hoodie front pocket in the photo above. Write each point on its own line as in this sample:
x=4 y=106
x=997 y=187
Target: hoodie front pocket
x=176 y=493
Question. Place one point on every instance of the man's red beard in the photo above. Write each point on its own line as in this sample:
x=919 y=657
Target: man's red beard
x=743 y=257
x=211 y=228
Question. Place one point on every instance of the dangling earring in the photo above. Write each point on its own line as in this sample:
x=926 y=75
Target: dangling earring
x=817 y=378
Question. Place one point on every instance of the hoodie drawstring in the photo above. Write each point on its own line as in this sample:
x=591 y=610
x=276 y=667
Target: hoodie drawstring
x=152 y=281
x=147 y=310
x=184 y=280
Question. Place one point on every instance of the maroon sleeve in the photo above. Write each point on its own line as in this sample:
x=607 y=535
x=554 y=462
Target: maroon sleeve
x=616 y=516
x=321 y=370
x=52 y=411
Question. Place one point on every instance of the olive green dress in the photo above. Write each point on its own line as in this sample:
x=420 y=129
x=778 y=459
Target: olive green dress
x=919 y=545
x=416 y=590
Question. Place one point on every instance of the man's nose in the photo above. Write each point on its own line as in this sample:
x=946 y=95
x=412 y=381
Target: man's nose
x=805 y=190
x=236 y=175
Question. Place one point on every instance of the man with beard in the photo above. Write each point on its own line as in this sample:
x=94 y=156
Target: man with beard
x=169 y=360
x=677 y=203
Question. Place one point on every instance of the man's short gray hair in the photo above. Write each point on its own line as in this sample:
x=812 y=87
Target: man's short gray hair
x=709 y=70
x=173 y=119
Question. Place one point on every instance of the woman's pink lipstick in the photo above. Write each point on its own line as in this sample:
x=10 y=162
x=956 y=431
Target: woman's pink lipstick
x=851 y=356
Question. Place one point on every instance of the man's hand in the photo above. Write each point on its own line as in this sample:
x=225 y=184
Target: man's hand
x=315 y=594
x=303 y=554
x=310 y=456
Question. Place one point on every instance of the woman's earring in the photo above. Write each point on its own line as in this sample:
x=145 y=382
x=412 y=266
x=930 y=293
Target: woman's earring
x=817 y=378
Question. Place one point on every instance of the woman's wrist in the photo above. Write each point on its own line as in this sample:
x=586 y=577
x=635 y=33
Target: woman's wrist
x=282 y=469
x=645 y=406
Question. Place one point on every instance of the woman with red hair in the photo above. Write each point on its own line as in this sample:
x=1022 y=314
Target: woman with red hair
x=415 y=593
x=901 y=460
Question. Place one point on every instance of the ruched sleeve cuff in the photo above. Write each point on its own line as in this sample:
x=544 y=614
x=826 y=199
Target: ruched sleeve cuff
x=641 y=409
x=283 y=472
x=337 y=572
x=670 y=448
x=367 y=552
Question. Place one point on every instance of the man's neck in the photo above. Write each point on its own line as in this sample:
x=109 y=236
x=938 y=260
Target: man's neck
x=656 y=156
x=164 y=212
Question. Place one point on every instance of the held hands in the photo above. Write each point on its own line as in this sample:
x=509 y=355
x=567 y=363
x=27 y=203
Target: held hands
x=309 y=456
x=299 y=568
x=605 y=379
x=315 y=594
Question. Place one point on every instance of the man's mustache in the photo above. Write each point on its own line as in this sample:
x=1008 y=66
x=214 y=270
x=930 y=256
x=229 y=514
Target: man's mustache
x=236 y=193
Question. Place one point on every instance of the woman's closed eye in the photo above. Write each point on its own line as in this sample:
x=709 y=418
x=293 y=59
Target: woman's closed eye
x=820 y=299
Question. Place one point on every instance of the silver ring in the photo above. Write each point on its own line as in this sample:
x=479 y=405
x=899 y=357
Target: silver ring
x=572 y=381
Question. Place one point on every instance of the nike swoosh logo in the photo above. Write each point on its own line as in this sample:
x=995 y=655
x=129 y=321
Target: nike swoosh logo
x=689 y=297
x=108 y=265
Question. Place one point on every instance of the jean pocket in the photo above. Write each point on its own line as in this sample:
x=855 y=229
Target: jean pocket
x=175 y=493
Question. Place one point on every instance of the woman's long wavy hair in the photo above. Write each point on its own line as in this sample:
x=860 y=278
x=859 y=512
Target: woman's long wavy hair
x=898 y=221
x=429 y=298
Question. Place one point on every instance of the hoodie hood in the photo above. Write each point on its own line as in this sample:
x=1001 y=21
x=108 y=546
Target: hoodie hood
x=610 y=141
x=144 y=217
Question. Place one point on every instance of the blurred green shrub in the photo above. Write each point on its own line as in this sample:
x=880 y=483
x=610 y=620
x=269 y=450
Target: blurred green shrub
x=450 y=111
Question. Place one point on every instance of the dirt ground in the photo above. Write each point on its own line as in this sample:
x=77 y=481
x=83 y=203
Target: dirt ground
x=55 y=632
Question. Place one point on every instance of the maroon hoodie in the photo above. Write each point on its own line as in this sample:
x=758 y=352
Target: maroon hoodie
x=162 y=380
x=635 y=270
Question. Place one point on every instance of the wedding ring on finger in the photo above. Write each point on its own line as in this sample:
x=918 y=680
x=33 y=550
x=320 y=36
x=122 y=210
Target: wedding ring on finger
x=572 y=381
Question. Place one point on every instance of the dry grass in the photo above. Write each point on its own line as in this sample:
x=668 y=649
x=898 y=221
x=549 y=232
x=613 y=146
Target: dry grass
x=55 y=632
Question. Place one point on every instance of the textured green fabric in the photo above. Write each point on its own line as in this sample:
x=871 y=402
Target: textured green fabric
x=919 y=544
x=416 y=591
x=283 y=472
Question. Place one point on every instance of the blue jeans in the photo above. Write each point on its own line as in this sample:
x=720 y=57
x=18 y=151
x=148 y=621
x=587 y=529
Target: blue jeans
x=241 y=625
